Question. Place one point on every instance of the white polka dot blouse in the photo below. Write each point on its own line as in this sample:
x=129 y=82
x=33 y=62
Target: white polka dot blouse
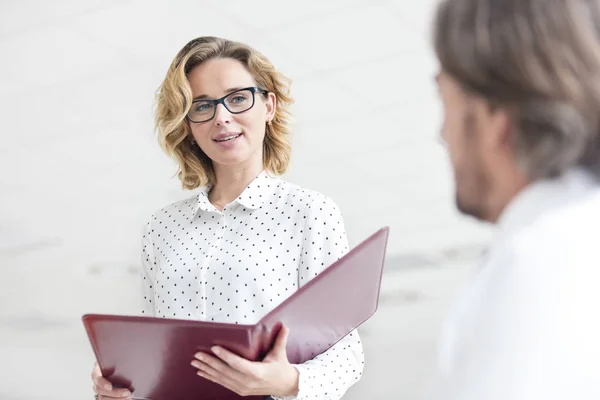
x=238 y=264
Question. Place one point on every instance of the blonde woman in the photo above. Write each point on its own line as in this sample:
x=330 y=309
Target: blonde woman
x=247 y=240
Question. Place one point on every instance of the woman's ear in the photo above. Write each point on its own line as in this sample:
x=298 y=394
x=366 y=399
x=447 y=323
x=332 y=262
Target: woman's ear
x=271 y=104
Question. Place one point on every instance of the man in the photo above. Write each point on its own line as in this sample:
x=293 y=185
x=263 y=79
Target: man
x=520 y=84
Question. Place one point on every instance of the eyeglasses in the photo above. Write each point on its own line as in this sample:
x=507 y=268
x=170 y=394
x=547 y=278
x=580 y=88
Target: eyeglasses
x=236 y=103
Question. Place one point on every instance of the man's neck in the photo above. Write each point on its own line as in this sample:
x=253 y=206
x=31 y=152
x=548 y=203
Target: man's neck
x=506 y=191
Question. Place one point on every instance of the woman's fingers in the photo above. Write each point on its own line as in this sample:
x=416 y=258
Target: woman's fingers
x=104 y=388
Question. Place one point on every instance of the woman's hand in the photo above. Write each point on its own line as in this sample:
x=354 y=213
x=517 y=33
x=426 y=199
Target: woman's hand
x=104 y=389
x=274 y=376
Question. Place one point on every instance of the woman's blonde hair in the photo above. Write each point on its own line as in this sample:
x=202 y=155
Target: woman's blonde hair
x=174 y=99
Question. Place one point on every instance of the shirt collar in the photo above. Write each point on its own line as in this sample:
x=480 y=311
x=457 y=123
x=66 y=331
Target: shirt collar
x=203 y=203
x=252 y=197
x=257 y=191
x=545 y=195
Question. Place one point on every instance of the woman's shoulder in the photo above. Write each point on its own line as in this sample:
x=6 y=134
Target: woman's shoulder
x=179 y=209
x=310 y=198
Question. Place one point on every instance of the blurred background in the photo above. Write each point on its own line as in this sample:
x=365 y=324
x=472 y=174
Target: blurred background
x=81 y=170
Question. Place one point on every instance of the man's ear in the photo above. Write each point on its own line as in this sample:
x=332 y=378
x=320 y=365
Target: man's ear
x=496 y=126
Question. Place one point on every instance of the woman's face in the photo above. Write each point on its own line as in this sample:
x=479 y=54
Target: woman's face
x=229 y=138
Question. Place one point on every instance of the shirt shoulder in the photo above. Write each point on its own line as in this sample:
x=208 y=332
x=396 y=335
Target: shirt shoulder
x=563 y=231
x=176 y=211
x=310 y=198
x=552 y=263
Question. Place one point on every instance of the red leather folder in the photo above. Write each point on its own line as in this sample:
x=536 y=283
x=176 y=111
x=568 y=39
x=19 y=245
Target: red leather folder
x=151 y=356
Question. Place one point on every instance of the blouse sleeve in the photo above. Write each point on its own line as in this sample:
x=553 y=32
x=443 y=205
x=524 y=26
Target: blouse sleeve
x=329 y=375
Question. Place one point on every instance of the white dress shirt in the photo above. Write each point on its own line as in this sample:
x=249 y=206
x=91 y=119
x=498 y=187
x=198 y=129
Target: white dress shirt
x=237 y=265
x=527 y=326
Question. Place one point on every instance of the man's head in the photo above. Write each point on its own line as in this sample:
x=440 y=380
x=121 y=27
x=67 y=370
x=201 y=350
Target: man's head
x=520 y=83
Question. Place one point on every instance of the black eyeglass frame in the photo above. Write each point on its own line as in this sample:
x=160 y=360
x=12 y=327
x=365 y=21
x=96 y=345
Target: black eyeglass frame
x=216 y=102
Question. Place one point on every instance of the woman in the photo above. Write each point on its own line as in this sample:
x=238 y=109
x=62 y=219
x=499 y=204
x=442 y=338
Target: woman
x=248 y=240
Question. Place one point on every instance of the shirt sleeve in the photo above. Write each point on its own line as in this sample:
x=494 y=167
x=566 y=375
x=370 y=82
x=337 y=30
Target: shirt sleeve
x=147 y=273
x=329 y=375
